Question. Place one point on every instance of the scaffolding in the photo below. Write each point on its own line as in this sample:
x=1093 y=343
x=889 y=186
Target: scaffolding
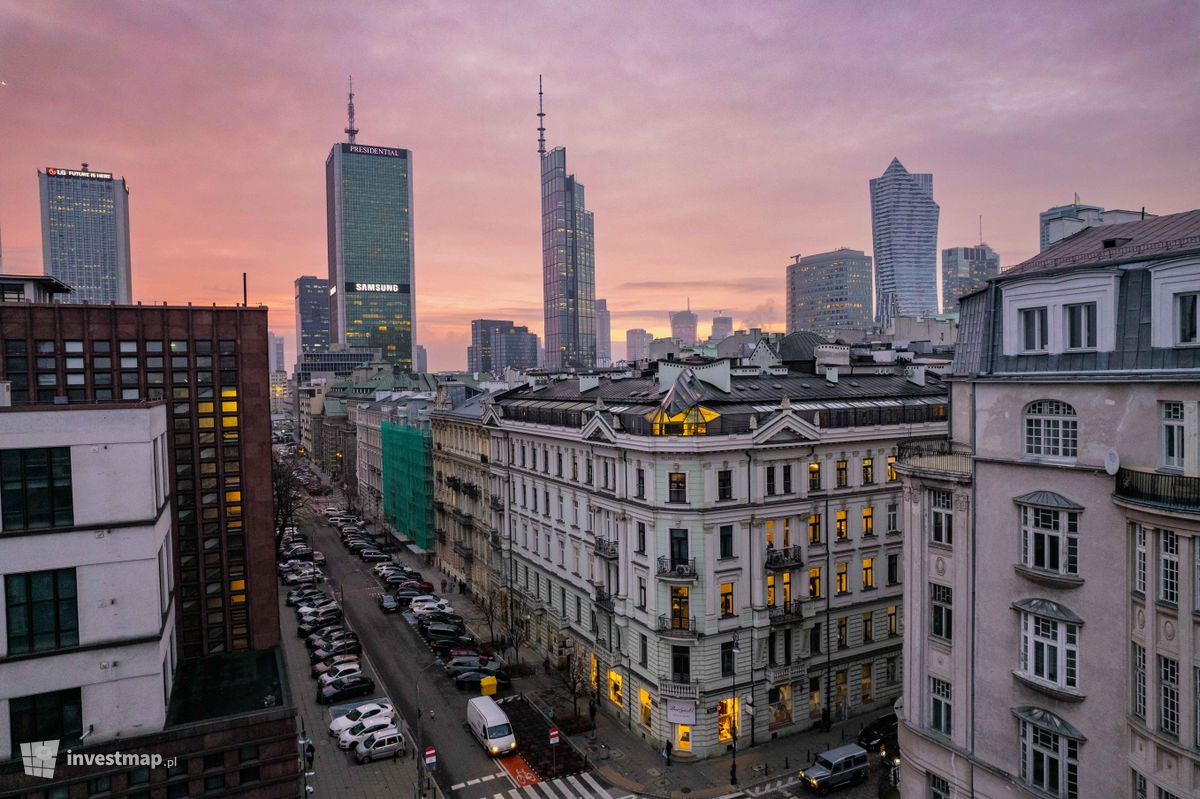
x=408 y=481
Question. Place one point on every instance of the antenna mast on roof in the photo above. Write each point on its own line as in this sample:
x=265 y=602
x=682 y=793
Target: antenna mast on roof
x=981 y=230
x=351 y=131
x=541 y=122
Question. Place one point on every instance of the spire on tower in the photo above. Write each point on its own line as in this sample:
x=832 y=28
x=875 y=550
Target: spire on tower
x=541 y=121
x=351 y=131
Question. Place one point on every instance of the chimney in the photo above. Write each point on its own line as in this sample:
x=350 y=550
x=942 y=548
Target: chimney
x=831 y=375
x=917 y=376
x=5 y=394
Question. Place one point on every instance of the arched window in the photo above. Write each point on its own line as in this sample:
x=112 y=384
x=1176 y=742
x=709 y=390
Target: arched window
x=1051 y=429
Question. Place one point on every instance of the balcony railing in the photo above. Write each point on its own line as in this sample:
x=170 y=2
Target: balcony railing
x=495 y=503
x=606 y=548
x=440 y=534
x=677 y=626
x=781 y=674
x=673 y=688
x=677 y=569
x=495 y=540
x=603 y=598
x=785 y=558
x=464 y=549
x=935 y=455
x=1174 y=491
x=787 y=611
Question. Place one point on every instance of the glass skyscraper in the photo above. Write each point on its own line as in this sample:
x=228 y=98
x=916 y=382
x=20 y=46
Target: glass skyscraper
x=904 y=223
x=965 y=269
x=312 y=314
x=568 y=267
x=828 y=291
x=85 y=234
x=371 y=275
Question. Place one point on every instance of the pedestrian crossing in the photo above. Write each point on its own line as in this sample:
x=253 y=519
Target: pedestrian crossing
x=574 y=786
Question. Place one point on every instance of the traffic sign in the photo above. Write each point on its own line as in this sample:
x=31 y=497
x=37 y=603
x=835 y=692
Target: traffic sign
x=430 y=756
x=553 y=736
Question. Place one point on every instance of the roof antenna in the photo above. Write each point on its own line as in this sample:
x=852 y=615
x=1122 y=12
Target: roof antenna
x=351 y=131
x=981 y=230
x=541 y=122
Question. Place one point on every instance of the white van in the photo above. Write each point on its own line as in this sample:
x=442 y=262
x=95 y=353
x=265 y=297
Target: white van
x=490 y=725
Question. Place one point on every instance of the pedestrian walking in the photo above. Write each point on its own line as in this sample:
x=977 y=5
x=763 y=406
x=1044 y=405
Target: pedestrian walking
x=443 y=586
x=546 y=665
x=310 y=752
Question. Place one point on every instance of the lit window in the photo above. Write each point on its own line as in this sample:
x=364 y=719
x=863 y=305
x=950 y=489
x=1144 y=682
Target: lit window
x=891 y=468
x=843 y=582
x=814 y=582
x=868 y=573
x=614 y=688
x=868 y=520
x=814 y=528
x=647 y=707
x=840 y=526
x=726 y=600
x=771 y=590
x=814 y=477
x=868 y=471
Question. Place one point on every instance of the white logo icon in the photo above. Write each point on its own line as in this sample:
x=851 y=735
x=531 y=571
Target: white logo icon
x=39 y=758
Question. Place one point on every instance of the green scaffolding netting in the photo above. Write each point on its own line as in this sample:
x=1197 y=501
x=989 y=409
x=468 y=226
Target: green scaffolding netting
x=408 y=481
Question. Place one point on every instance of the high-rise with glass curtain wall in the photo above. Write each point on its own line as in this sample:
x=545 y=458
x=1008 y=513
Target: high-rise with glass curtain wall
x=85 y=234
x=568 y=262
x=904 y=223
x=371 y=273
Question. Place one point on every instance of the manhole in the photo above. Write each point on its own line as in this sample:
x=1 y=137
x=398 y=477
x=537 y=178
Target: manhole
x=662 y=783
x=760 y=767
x=653 y=772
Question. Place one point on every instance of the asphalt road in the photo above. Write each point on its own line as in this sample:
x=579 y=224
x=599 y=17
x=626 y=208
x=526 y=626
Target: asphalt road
x=405 y=666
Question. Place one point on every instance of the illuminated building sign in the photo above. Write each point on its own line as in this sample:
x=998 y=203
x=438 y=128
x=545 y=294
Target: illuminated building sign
x=378 y=287
x=366 y=149
x=75 y=173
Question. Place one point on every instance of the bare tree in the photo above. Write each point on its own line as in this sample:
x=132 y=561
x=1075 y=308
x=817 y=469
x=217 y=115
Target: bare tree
x=490 y=604
x=286 y=491
x=579 y=676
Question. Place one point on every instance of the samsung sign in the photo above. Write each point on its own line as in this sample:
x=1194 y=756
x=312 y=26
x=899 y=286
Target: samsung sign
x=378 y=287
x=366 y=149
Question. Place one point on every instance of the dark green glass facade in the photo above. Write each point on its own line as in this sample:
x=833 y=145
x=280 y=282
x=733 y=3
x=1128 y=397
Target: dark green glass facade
x=369 y=200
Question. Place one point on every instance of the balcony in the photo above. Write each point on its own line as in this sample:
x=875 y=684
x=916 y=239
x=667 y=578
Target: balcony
x=937 y=456
x=463 y=549
x=1170 y=491
x=783 y=674
x=603 y=598
x=606 y=548
x=440 y=535
x=495 y=503
x=788 y=611
x=674 y=689
x=785 y=558
x=672 y=569
x=677 y=626
x=495 y=540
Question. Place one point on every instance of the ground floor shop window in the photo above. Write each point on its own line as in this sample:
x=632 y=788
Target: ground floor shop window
x=727 y=719
x=814 y=697
x=683 y=737
x=614 y=688
x=646 y=705
x=780 y=702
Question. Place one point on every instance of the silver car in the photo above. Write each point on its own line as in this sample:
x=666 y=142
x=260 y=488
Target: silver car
x=380 y=744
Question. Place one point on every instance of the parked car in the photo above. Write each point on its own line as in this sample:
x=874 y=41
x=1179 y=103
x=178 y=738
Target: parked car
x=333 y=660
x=339 y=672
x=472 y=679
x=877 y=731
x=365 y=711
x=372 y=556
x=328 y=637
x=419 y=609
x=345 y=688
x=461 y=665
x=318 y=624
x=318 y=557
x=388 y=603
x=442 y=632
x=442 y=617
x=845 y=765
x=299 y=578
x=452 y=652
x=444 y=647
x=416 y=585
x=332 y=511
x=406 y=597
x=304 y=595
x=380 y=744
x=350 y=738
x=343 y=647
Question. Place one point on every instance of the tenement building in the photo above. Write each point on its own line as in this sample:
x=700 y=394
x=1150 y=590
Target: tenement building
x=716 y=545
x=1052 y=644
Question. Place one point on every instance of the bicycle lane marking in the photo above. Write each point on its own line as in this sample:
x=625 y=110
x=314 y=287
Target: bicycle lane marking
x=518 y=771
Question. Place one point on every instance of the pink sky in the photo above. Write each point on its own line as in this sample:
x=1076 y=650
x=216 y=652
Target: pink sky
x=715 y=140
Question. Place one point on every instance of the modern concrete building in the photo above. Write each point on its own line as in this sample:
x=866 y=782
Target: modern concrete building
x=829 y=291
x=1056 y=224
x=904 y=227
x=603 y=334
x=281 y=398
x=964 y=270
x=497 y=344
x=568 y=261
x=422 y=357
x=718 y=544
x=722 y=328
x=337 y=361
x=1053 y=556
x=31 y=288
x=312 y=315
x=85 y=234
x=275 y=353
x=684 y=326
x=637 y=344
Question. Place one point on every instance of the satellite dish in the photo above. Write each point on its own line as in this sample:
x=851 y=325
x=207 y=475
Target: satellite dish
x=1112 y=461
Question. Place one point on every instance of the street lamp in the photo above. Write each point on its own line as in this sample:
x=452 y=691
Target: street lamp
x=737 y=717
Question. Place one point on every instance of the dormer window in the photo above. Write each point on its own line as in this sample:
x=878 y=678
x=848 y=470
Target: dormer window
x=1035 y=329
x=1081 y=326
x=1187 y=318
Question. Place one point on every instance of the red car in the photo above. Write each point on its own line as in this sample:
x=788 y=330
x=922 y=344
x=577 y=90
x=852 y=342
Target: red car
x=317 y=557
x=418 y=585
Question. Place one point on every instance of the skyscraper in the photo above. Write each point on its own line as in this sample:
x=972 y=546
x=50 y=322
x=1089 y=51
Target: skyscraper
x=85 y=234
x=312 y=315
x=422 y=358
x=1061 y=221
x=603 y=334
x=568 y=261
x=637 y=344
x=275 y=352
x=829 y=290
x=497 y=344
x=904 y=222
x=371 y=274
x=722 y=328
x=684 y=324
x=965 y=269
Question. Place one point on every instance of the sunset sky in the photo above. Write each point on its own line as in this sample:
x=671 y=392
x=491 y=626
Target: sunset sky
x=716 y=140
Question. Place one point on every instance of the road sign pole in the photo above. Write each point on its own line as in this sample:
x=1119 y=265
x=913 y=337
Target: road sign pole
x=554 y=751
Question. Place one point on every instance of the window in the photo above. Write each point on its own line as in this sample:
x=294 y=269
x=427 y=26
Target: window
x=35 y=488
x=724 y=485
x=1081 y=325
x=1168 y=566
x=865 y=682
x=726 y=536
x=1035 y=334
x=641 y=537
x=942 y=623
x=1163 y=793
x=787 y=479
x=842 y=474
x=868 y=573
x=868 y=626
x=839 y=526
x=614 y=688
x=770 y=481
x=814 y=528
x=46 y=717
x=1187 y=318
x=1139 y=681
x=1051 y=429
x=814 y=639
x=42 y=611
x=868 y=471
x=677 y=487
x=938 y=787
x=642 y=593
x=681 y=664
x=1050 y=539
x=1172 y=441
x=814 y=582
x=1139 y=559
x=891 y=469
x=771 y=590
x=814 y=477
x=940 y=711
x=727 y=659
x=726 y=600
x=843 y=638
x=893 y=517
x=1168 y=696
x=941 y=512
x=643 y=649
x=843 y=582
x=1049 y=761
x=1196 y=705
x=893 y=568
x=641 y=480
x=893 y=614
x=646 y=707
x=1050 y=651
x=868 y=520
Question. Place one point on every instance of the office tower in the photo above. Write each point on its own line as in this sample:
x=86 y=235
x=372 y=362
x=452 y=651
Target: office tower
x=85 y=234
x=568 y=261
x=496 y=344
x=828 y=291
x=722 y=328
x=904 y=223
x=338 y=361
x=312 y=315
x=964 y=269
x=637 y=344
x=603 y=334
x=422 y=360
x=1043 y=657
x=211 y=364
x=275 y=351
x=684 y=325
x=371 y=273
x=1056 y=224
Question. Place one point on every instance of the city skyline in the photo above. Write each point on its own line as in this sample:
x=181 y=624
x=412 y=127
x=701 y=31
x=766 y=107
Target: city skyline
x=661 y=220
